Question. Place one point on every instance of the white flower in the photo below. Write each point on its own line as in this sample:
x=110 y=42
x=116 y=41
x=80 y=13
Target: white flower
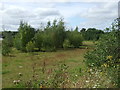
x=76 y=75
x=87 y=81
x=90 y=70
x=14 y=81
x=20 y=74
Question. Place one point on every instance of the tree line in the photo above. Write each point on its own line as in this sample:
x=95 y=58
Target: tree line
x=50 y=38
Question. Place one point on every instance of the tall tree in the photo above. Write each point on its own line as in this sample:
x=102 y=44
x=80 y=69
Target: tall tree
x=25 y=34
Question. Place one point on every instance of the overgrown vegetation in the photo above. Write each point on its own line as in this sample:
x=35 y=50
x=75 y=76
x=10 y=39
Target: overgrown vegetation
x=106 y=54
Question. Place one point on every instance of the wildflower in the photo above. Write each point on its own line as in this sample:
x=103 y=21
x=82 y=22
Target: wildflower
x=90 y=70
x=76 y=75
x=87 y=81
x=105 y=65
x=14 y=81
x=109 y=57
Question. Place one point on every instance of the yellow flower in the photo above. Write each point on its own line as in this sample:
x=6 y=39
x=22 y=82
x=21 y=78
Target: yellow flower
x=105 y=65
x=109 y=57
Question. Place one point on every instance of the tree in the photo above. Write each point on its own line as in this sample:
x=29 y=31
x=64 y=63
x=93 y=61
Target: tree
x=48 y=43
x=91 y=33
x=25 y=34
x=75 y=38
x=59 y=33
x=38 y=39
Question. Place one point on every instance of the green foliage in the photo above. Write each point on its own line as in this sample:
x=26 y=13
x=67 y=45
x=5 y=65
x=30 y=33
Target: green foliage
x=6 y=49
x=48 y=43
x=75 y=38
x=50 y=38
x=7 y=43
x=17 y=42
x=91 y=33
x=30 y=46
x=66 y=44
x=38 y=39
x=106 y=54
x=59 y=34
x=8 y=37
x=25 y=34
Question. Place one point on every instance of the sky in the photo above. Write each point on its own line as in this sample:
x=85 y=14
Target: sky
x=82 y=13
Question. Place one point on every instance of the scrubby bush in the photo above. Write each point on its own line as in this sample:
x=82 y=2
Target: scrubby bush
x=75 y=38
x=6 y=49
x=7 y=43
x=30 y=47
x=17 y=42
x=66 y=44
x=48 y=43
x=106 y=55
x=38 y=39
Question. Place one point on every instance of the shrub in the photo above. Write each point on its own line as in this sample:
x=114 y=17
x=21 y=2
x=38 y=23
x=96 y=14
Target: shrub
x=106 y=55
x=7 y=43
x=38 y=39
x=66 y=44
x=48 y=44
x=75 y=38
x=6 y=49
x=30 y=46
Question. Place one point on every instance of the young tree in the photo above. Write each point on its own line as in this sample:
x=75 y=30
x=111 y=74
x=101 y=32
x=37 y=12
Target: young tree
x=59 y=33
x=25 y=34
x=75 y=38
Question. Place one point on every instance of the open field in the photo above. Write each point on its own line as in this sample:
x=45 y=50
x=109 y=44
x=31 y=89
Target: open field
x=24 y=63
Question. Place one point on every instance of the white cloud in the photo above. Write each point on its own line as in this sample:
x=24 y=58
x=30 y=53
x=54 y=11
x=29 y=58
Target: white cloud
x=12 y=15
x=100 y=16
x=96 y=14
x=60 y=0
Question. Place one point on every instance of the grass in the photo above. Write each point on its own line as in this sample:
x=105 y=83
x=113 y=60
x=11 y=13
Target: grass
x=19 y=62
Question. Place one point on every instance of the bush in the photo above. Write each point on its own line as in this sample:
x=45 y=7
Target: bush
x=66 y=44
x=30 y=46
x=75 y=38
x=6 y=49
x=106 y=55
x=48 y=44
x=17 y=42
x=38 y=39
x=7 y=43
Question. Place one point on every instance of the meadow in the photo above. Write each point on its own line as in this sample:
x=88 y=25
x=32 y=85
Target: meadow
x=41 y=68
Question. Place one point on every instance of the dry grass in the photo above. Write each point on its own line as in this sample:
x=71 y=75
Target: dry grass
x=19 y=62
